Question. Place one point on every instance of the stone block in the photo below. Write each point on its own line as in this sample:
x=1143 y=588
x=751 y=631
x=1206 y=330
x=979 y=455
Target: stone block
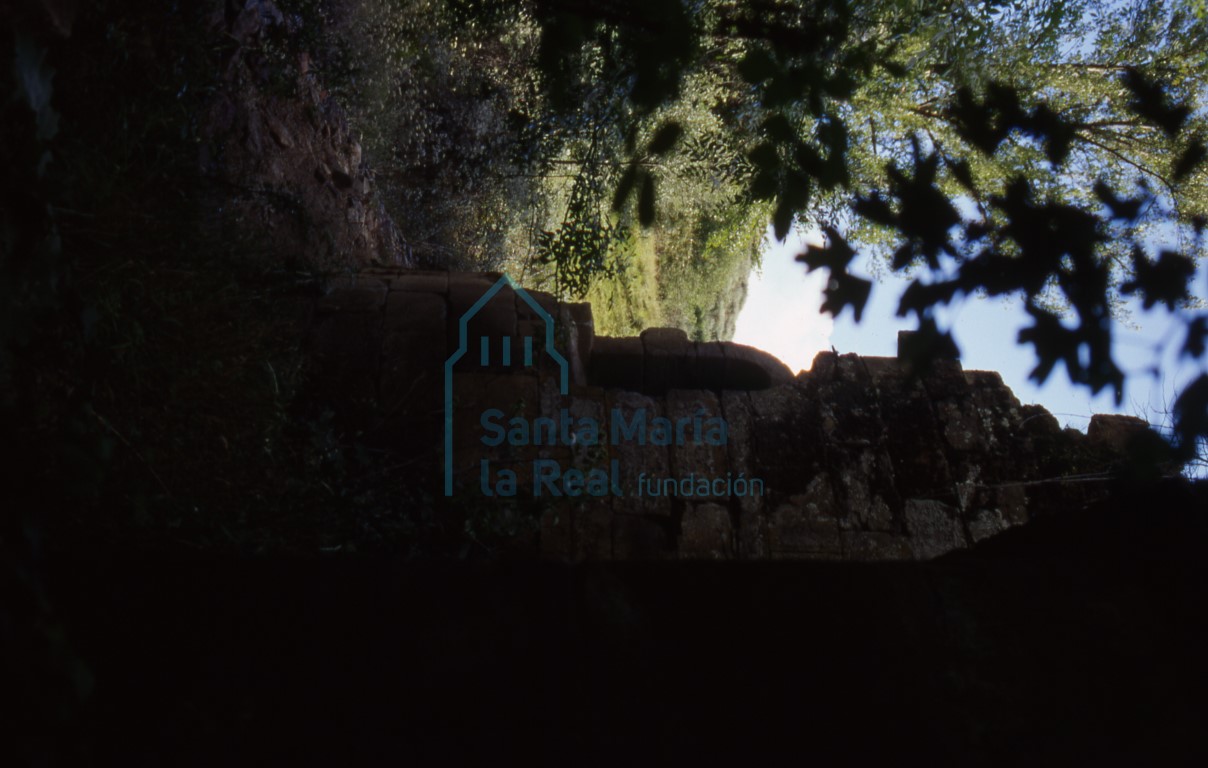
x=411 y=373
x=1007 y=506
x=851 y=370
x=706 y=532
x=880 y=367
x=990 y=393
x=752 y=533
x=945 y=379
x=514 y=396
x=865 y=487
x=416 y=314
x=558 y=534
x=637 y=537
x=640 y=461
x=593 y=529
x=353 y=293
x=408 y=360
x=788 y=448
x=909 y=346
x=807 y=531
x=933 y=528
x=847 y=403
x=818 y=504
x=421 y=282
x=535 y=329
x=664 y=339
x=617 y=363
x=1037 y=421
x=913 y=439
x=494 y=320
x=570 y=339
x=1115 y=431
x=984 y=523
x=670 y=360
x=711 y=365
x=585 y=328
x=587 y=405
x=528 y=304
x=960 y=425
x=467 y=289
x=736 y=409
x=700 y=446
x=748 y=368
x=875 y=545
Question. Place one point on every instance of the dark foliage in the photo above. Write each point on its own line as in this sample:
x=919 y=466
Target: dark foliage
x=802 y=62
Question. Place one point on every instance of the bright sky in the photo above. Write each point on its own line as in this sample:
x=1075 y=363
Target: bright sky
x=781 y=316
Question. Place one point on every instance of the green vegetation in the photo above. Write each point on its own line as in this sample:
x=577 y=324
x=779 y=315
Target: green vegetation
x=514 y=135
x=1007 y=148
x=484 y=166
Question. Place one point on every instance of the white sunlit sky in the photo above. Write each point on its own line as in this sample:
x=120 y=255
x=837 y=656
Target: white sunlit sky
x=782 y=316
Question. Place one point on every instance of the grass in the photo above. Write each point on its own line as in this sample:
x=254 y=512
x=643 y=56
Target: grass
x=628 y=302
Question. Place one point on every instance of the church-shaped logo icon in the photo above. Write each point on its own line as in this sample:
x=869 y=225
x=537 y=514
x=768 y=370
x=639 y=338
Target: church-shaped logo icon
x=507 y=351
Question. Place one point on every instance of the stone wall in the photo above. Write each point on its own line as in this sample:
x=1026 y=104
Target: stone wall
x=858 y=458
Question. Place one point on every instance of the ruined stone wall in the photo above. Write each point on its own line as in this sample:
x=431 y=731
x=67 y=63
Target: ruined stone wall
x=856 y=458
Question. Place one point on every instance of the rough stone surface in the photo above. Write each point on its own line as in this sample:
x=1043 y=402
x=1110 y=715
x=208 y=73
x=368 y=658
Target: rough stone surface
x=290 y=164
x=1114 y=430
x=856 y=458
x=706 y=532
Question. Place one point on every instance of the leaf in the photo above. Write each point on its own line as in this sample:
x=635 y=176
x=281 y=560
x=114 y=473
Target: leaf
x=876 y=209
x=665 y=138
x=926 y=345
x=1149 y=101
x=920 y=297
x=1123 y=209
x=807 y=158
x=962 y=173
x=797 y=190
x=784 y=89
x=646 y=201
x=895 y=68
x=1191 y=158
x=764 y=185
x=843 y=289
x=625 y=187
x=757 y=66
x=1165 y=280
x=1058 y=135
x=764 y=157
x=1191 y=417
x=1053 y=342
x=902 y=257
x=835 y=255
x=778 y=128
x=1197 y=336
x=782 y=219
x=846 y=290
